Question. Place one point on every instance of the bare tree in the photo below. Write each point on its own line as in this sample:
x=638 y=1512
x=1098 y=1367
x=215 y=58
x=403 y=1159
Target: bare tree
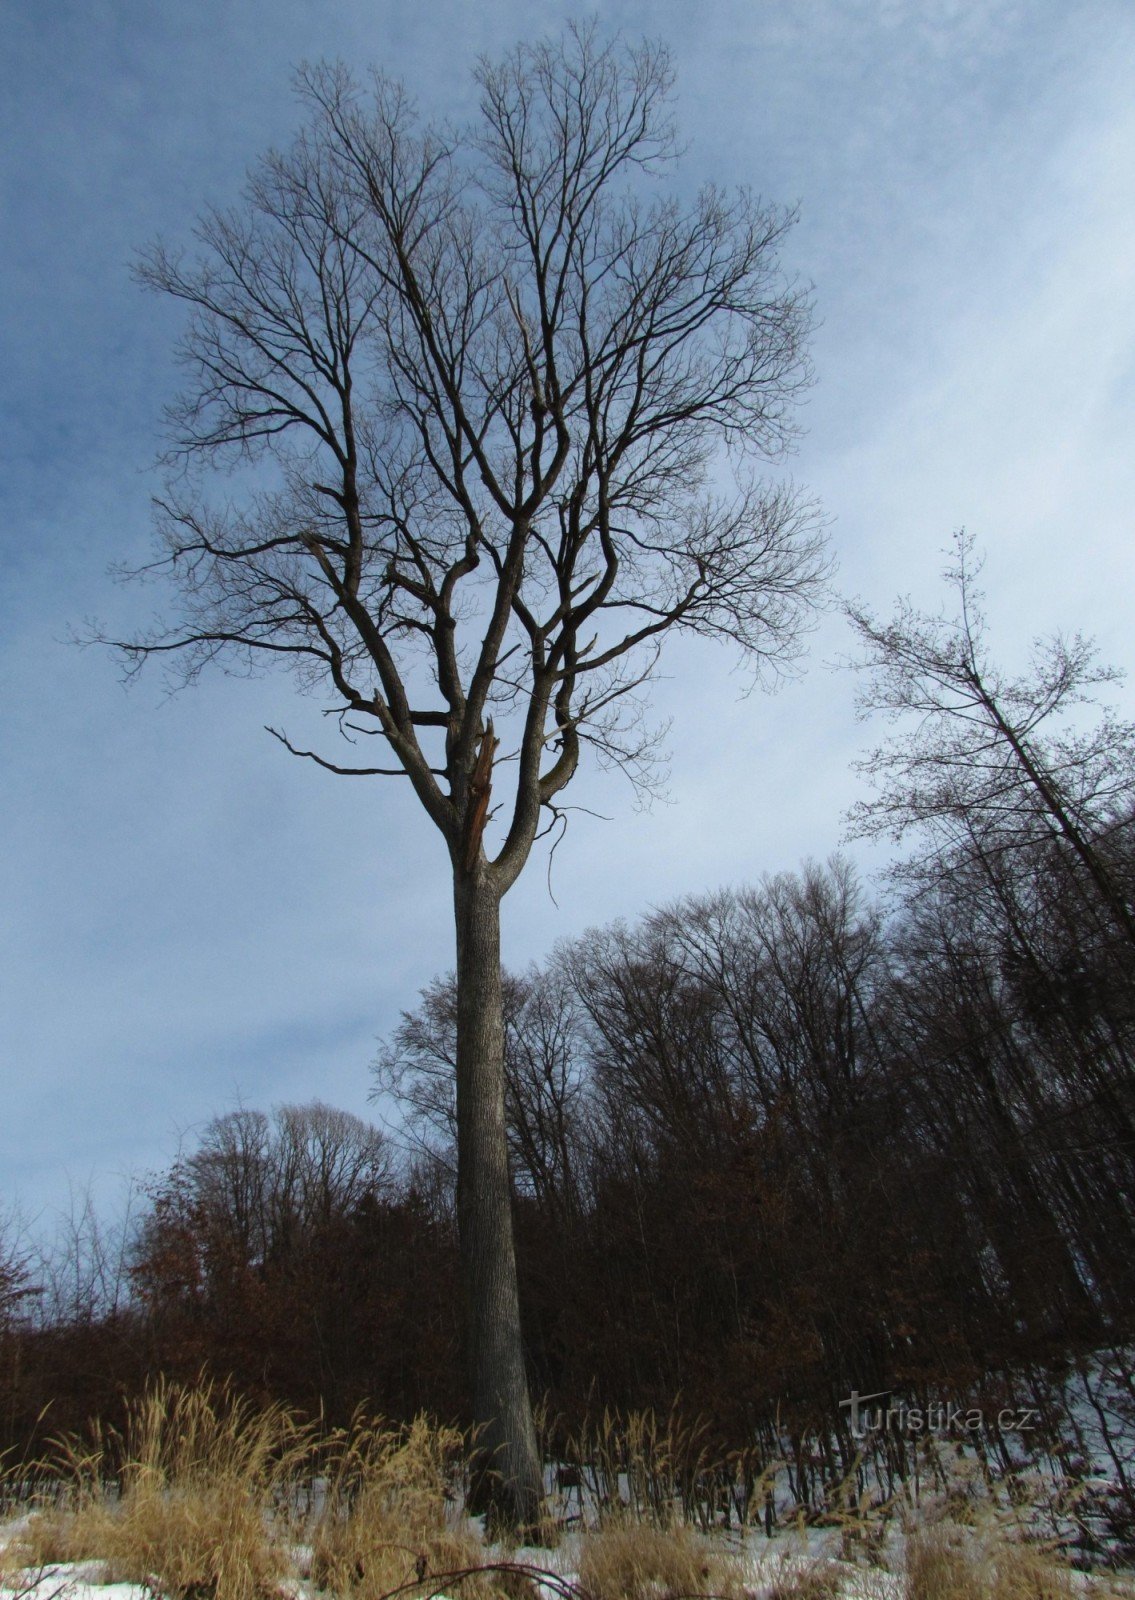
x=981 y=755
x=82 y=1266
x=262 y=1183
x=14 y=1263
x=229 y=1177
x=511 y=390
x=326 y=1162
x=543 y=1078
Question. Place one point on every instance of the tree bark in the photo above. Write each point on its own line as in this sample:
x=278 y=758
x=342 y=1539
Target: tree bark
x=507 y=1475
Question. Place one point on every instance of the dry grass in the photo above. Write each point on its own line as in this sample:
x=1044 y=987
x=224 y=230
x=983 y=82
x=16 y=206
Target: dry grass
x=386 y=1520
x=642 y=1562
x=818 y=1581
x=985 y=1553
x=45 y=1540
x=942 y=1565
x=183 y=1502
x=12 y=1567
x=949 y=1563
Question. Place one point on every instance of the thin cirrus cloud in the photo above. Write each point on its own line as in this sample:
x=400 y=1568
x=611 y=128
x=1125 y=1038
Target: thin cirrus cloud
x=190 y=919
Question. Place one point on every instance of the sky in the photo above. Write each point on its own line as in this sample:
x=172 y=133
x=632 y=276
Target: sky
x=190 y=920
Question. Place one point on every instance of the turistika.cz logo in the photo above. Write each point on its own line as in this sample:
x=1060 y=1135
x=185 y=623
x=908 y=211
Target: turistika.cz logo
x=878 y=1413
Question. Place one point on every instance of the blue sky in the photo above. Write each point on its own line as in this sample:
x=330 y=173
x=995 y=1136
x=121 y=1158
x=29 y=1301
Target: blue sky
x=190 y=918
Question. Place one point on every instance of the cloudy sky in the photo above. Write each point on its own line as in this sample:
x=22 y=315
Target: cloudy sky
x=192 y=920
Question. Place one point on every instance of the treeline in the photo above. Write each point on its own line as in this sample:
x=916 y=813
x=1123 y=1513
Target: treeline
x=768 y=1145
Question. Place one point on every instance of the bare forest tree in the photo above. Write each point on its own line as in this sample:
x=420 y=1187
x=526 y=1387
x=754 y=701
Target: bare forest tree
x=505 y=392
x=13 y=1269
x=543 y=1074
x=82 y=1266
x=988 y=761
x=274 y=1179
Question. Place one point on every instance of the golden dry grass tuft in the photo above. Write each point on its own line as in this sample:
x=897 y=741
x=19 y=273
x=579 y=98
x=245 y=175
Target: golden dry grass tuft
x=182 y=1502
x=943 y=1565
x=46 y=1539
x=951 y=1563
x=628 y=1561
x=386 y=1520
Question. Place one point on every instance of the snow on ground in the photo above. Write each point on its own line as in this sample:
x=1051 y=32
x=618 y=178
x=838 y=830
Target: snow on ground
x=78 y=1580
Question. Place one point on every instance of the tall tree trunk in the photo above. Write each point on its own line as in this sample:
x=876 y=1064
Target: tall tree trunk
x=508 y=1480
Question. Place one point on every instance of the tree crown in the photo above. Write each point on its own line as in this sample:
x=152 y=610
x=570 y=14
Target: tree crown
x=512 y=390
